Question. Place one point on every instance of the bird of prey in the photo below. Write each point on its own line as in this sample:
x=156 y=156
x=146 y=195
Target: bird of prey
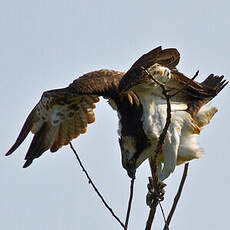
x=63 y=114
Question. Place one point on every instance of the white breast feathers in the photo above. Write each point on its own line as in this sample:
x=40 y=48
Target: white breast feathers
x=181 y=143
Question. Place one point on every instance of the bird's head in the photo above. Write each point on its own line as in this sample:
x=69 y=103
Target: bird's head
x=132 y=154
x=128 y=156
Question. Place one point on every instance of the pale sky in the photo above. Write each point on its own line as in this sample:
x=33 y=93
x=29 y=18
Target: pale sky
x=46 y=45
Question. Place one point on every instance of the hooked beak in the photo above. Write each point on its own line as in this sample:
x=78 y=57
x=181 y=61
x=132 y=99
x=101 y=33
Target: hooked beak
x=131 y=170
x=129 y=165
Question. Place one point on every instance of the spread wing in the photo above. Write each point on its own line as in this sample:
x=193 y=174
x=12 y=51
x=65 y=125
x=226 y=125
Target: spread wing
x=193 y=93
x=63 y=114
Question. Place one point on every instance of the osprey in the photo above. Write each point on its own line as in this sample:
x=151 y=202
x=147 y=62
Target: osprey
x=63 y=114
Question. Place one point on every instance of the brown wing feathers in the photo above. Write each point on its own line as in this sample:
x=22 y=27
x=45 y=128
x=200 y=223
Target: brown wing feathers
x=103 y=82
x=41 y=142
x=76 y=116
x=24 y=131
x=214 y=82
x=167 y=57
x=193 y=91
x=63 y=114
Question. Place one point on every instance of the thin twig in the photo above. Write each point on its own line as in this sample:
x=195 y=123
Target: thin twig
x=177 y=197
x=95 y=188
x=162 y=211
x=130 y=203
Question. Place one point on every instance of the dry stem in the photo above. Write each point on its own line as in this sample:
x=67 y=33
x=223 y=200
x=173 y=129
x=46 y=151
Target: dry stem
x=95 y=188
x=130 y=203
x=177 y=197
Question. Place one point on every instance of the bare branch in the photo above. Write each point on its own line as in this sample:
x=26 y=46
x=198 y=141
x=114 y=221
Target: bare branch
x=150 y=218
x=130 y=203
x=95 y=188
x=162 y=211
x=177 y=197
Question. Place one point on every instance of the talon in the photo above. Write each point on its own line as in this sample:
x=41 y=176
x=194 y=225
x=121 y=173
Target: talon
x=161 y=185
x=155 y=195
x=149 y=199
x=150 y=185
